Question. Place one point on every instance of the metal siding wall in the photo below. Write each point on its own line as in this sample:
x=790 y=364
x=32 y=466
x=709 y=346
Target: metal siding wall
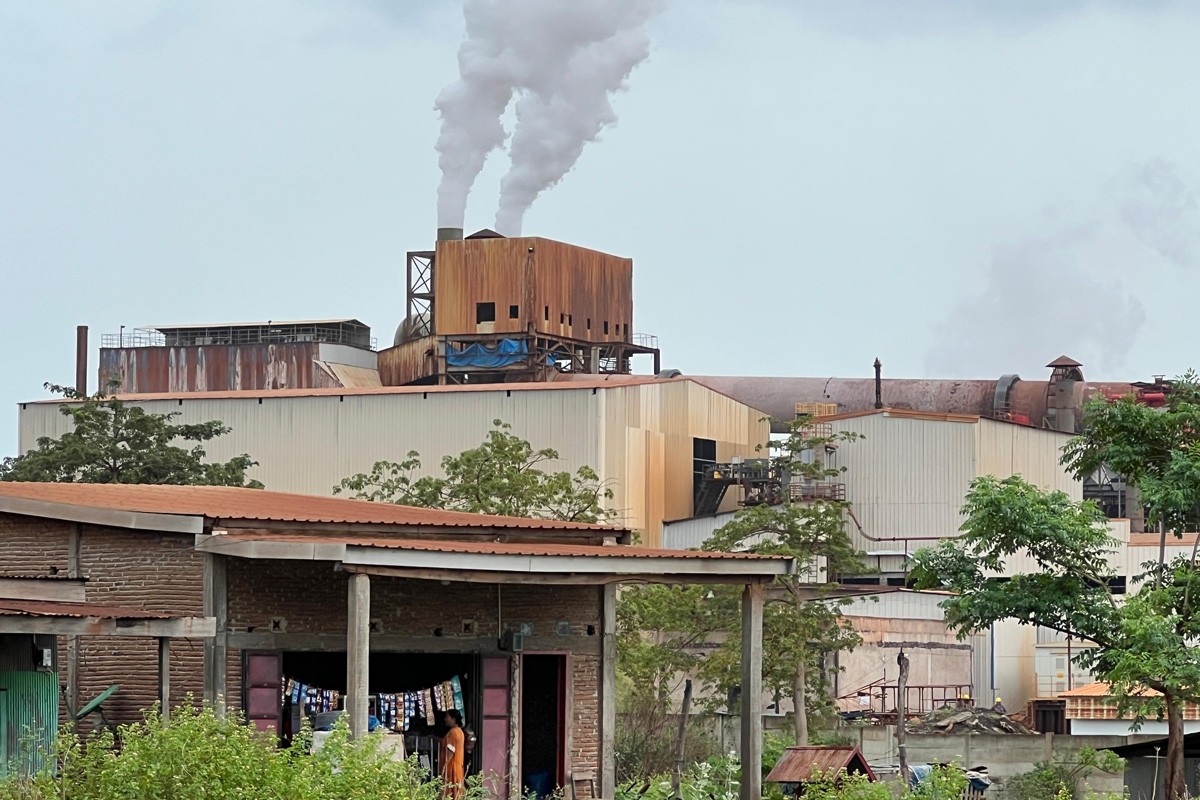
x=906 y=478
x=1006 y=449
x=898 y=605
x=689 y=534
x=642 y=432
x=31 y=716
x=981 y=669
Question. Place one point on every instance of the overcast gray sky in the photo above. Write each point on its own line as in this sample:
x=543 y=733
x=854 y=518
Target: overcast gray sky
x=962 y=189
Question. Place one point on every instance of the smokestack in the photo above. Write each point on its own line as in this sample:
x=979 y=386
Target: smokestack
x=81 y=358
x=878 y=384
x=449 y=234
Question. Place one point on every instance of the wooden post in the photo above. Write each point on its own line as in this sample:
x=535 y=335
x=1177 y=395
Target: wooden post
x=164 y=678
x=901 y=714
x=216 y=604
x=608 y=691
x=681 y=738
x=358 y=652
x=752 y=734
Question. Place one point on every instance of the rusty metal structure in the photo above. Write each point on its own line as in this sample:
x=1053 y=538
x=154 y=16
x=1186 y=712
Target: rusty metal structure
x=1054 y=403
x=304 y=354
x=491 y=309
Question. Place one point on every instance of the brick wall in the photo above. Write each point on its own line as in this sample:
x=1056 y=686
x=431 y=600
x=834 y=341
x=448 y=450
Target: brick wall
x=138 y=569
x=135 y=569
x=311 y=598
x=31 y=546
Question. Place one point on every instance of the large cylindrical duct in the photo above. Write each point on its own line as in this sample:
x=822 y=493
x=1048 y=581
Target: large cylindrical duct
x=449 y=234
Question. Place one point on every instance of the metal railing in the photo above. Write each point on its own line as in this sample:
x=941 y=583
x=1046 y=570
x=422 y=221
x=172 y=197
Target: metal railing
x=263 y=334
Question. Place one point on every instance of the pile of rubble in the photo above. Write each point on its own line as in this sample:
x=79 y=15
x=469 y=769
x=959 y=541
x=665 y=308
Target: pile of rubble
x=959 y=720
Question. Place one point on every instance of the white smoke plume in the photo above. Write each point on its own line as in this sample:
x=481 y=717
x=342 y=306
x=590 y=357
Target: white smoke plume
x=564 y=60
x=1074 y=286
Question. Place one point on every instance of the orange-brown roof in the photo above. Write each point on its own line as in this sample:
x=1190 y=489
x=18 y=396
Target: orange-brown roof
x=501 y=548
x=1100 y=690
x=50 y=608
x=903 y=413
x=230 y=504
x=593 y=382
x=800 y=764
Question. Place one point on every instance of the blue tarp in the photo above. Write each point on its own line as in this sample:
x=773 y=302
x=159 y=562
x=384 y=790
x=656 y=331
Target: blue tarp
x=506 y=353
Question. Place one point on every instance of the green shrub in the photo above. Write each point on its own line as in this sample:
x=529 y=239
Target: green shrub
x=1049 y=780
x=200 y=756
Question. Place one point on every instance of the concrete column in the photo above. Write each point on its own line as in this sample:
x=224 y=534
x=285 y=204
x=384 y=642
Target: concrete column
x=358 y=652
x=608 y=690
x=164 y=677
x=752 y=731
x=216 y=604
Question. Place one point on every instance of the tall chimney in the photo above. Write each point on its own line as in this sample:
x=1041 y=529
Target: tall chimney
x=878 y=384
x=81 y=359
x=449 y=234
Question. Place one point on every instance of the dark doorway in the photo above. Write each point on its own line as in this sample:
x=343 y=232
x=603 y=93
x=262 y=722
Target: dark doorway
x=543 y=723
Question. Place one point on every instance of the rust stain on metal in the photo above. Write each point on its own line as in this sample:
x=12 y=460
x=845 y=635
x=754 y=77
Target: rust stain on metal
x=202 y=368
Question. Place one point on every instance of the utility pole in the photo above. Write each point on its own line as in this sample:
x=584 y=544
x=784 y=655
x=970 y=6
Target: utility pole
x=681 y=740
x=901 y=715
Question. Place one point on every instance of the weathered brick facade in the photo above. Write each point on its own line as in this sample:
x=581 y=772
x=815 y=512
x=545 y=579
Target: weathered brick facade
x=141 y=569
x=133 y=569
x=311 y=600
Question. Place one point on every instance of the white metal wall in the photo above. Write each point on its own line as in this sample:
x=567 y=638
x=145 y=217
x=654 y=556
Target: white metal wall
x=638 y=437
x=1033 y=453
x=907 y=478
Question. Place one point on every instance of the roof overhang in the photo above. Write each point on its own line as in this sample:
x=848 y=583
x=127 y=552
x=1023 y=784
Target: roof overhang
x=505 y=564
x=88 y=619
x=113 y=518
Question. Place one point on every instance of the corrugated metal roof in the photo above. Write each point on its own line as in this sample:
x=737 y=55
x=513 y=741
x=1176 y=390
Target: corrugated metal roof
x=1101 y=690
x=903 y=413
x=231 y=503
x=50 y=608
x=505 y=548
x=593 y=383
x=799 y=764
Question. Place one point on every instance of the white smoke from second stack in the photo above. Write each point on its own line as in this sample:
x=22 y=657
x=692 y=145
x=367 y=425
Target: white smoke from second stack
x=566 y=59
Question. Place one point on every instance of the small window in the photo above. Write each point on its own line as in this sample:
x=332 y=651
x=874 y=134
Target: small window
x=514 y=312
x=485 y=312
x=605 y=326
x=562 y=319
x=589 y=323
x=547 y=313
x=570 y=320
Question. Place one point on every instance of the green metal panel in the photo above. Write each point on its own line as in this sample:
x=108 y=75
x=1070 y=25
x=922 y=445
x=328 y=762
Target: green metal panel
x=3 y=734
x=30 y=718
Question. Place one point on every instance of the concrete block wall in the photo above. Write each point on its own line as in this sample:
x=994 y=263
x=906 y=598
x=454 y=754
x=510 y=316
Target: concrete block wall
x=1004 y=756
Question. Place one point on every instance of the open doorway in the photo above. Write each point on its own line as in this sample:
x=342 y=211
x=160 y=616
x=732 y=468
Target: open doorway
x=543 y=723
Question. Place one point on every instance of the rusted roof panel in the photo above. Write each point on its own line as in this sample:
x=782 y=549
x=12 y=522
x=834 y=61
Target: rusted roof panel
x=229 y=504
x=1064 y=361
x=1100 y=690
x=49 y=608
x=799 y=764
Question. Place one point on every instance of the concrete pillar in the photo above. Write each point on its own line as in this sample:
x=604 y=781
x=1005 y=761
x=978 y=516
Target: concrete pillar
x=164 y=677
x=358 y=652
x=608 y=691
x=752 y=732
x=216 y=604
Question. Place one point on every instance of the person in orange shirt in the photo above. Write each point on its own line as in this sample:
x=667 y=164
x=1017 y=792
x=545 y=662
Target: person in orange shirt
x=451 y=761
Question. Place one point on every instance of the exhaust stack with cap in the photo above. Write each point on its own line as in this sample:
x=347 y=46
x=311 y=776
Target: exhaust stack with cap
x=449 y=234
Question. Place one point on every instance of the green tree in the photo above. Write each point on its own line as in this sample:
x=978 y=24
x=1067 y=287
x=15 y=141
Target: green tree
x=802 y=621
x=503 y=475
x=1142 y=641
x=114 y=442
